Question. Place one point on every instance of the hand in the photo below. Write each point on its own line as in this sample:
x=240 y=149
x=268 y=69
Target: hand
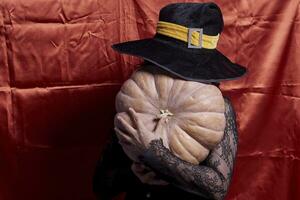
x=140 y=137
x=146 y=175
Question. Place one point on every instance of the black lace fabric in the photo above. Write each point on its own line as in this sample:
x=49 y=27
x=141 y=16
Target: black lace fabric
x=210 y=178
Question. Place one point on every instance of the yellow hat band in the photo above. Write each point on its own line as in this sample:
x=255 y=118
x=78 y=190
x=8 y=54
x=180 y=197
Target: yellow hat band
x=194 y=38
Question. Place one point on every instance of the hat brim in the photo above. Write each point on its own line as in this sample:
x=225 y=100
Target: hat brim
x=202 y=65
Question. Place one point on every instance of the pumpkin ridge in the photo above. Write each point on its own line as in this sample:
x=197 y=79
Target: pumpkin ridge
x=157 y=77
x=168 y=128
x=188 y=106
x=192 y=136
x=145 y=96
x=184 y=143
x=170 y=93
x=187 y=96
x=156 y=87
x=203 y=140
x=187 y=112
x=133 y=99
x=179 y=84
x=202 y=124
x=201 y=97
x=212 y=96
x=167 y=136
x=183 y=149
x=147 y=81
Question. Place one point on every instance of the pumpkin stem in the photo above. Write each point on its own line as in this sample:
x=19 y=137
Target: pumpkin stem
x=164 y=113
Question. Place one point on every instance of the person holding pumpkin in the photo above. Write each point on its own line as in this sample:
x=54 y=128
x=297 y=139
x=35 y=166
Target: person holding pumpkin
x=176 y=135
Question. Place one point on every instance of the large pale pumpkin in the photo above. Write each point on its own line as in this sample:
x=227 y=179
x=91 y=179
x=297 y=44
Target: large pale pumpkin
x=194 y=112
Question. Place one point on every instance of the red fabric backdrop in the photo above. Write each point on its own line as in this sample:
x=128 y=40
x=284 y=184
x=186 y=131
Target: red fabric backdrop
x=59 y=77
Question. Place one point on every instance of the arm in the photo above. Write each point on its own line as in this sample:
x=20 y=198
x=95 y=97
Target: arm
x=212 y=177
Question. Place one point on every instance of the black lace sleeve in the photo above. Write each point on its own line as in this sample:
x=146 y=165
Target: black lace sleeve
x=212 y=177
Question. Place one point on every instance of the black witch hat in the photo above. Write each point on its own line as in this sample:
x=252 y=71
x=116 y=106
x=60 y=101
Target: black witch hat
x=185 y=44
